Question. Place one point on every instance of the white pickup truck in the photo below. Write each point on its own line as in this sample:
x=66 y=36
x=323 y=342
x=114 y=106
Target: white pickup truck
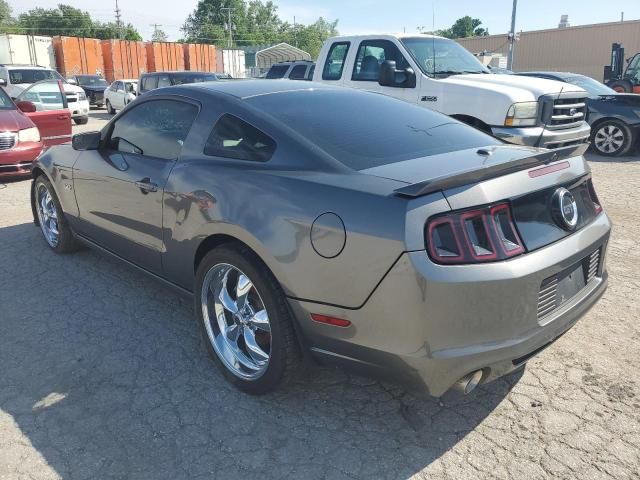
x=440 y=74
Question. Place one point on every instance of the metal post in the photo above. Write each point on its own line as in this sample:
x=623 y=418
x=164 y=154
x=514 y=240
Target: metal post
x=512 y=36
x=118 y=22
x=229 y=25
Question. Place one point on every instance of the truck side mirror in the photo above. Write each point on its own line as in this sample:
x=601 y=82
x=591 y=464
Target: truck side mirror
x=392 y=77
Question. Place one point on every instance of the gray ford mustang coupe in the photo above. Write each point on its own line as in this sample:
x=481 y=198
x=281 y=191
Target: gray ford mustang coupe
x=312 y=221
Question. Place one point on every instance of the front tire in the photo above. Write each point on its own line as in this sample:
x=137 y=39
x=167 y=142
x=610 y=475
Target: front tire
x=245 y=321
x=53 y=223
x=81 y=120
x=621 y=86
x=612 y=138
x=110 y=109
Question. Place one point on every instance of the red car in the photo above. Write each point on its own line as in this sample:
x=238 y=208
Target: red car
x=27 y=127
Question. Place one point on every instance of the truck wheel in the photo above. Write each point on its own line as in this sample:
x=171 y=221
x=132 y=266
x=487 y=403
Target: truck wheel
x=611 y=138
x=245 y=321
x=621 y=86
x=110 y=109
x=81 y=120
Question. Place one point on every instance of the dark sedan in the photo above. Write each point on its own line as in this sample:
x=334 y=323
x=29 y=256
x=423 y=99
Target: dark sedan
x=93 y=85
x=614 y=117
x=347 y=225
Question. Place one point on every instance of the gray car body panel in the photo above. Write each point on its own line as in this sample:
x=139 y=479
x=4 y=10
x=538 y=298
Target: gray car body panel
x=439 y=322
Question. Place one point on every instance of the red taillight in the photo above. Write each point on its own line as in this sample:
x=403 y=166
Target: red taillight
x=336 y=322
x=473 y=236
x=594 y=197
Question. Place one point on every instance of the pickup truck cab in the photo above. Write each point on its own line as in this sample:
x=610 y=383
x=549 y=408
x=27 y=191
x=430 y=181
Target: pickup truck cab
x=440 y=74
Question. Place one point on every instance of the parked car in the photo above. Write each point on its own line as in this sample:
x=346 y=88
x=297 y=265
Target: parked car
x=120 y=93
x=93 y=86
x=16 y=78
x=353 y=226
x=614 y=117
x=26 y=131
x=440 y=74
x=151 y=81
x=223 y=76
x=298 y=70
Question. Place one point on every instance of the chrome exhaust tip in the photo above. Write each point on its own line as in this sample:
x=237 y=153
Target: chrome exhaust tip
x=468 y=383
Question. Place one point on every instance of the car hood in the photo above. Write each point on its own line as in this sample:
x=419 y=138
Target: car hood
x=68 y=88
x=537 y=86
x=14 y=120
x=445 y=164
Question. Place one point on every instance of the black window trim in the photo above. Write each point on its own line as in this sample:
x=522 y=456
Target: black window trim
x=235 y=159
x=304 y=74
x=106 y=137
x=326 y=60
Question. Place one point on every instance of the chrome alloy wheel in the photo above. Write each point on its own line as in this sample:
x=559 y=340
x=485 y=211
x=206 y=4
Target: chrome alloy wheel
x=609 y=139
x=236 y=321
x=47 y=215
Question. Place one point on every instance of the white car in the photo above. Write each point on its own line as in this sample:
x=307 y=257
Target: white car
x=17 y=78
x=120 y=93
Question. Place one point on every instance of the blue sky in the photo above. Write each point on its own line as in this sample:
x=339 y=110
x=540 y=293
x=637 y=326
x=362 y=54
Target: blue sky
x=362 y=16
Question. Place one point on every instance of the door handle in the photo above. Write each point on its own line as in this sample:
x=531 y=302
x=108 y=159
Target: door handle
x=63 y=117
x=146 y=186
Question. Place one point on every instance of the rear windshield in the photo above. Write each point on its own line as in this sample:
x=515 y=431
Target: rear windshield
x=32 y=75
x=92 y=81
x=182 y=78
x=277 y=71
x=365 y=130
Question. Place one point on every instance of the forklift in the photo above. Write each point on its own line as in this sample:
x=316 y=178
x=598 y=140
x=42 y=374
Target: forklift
x=627 y=81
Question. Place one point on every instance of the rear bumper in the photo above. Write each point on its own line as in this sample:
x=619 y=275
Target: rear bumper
x=543 y=137
x=17 y=161
x=79 y=109
x=435 y=324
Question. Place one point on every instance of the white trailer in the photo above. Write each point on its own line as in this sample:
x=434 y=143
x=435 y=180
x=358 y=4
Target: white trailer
x=27 y=50
x=231 y=61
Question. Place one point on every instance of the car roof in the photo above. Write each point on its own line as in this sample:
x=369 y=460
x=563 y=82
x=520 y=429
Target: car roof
x=25 y=66
x=177 y=71
x=251 y=88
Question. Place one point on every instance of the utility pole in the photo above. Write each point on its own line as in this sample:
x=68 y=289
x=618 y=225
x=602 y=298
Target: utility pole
x=512 y=36
x=295 y=31
x=156 y=29
x=118 y=22
x=229 y=25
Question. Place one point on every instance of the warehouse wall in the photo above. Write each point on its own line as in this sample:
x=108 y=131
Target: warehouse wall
x=585 y=49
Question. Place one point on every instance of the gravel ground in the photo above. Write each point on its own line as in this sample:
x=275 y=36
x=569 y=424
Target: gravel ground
x=102 y=377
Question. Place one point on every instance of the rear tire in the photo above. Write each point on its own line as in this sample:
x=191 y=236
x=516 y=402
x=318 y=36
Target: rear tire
x=81 y=120
x=612 y=138
x=230 y=345
x=53 y=223
x=110 y=109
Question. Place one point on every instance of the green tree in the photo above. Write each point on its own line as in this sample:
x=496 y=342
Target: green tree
x=464 y=27
x=110 y=30
x=253 y=22
x=5 y=14
x=159 y=36
x=62 y=20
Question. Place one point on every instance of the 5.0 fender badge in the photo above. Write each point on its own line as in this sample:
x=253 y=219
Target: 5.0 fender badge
x=428 y=99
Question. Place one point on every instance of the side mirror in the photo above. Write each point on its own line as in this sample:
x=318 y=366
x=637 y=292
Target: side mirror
x=26 y=106
x=86 y=141
x=72 y=81
x=3 y=82
x=391 y=77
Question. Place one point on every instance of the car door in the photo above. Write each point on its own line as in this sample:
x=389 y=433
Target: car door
x=119 y=187
x=118 y=95
x=51 y=115
x=366 y=69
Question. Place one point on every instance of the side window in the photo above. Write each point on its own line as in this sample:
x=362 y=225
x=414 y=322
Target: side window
x=118 y=86
x=4 y=75
x=297 y=72
x=311 y=71
x=112 y=87
x=334 y=64
x=235 y=138
x=150 y=82
x=164 y=81
x=277 y=71
x=371 y=54
x=157 y=128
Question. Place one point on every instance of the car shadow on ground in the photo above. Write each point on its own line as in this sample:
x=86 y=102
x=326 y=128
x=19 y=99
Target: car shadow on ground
x=103 y=371
x=632 y=156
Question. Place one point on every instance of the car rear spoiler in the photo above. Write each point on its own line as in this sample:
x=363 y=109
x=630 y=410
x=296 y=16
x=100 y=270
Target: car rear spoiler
x=481 y=174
